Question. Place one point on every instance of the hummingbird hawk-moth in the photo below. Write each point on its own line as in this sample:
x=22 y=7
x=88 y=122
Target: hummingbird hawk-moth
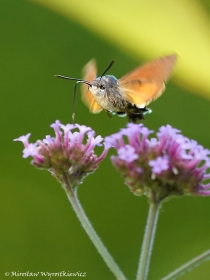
x=128 y=95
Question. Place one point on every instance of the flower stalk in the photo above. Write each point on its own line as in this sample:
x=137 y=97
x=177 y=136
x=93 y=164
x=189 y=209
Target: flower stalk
x=187 y=267
x=148 y=241
x=72 y=196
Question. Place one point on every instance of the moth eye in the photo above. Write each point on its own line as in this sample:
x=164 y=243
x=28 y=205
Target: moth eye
x=101 y=87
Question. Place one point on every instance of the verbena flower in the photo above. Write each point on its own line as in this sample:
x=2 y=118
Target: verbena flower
x=167 y=165
x=70 y=152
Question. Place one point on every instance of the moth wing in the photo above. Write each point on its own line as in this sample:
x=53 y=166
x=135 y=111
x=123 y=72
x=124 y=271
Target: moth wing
x=146 y=83
x=89 y=74
x=141 y=93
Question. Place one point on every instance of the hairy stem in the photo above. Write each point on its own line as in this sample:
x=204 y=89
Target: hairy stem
x=72 y=196
x=187 y=267
x=148 y=241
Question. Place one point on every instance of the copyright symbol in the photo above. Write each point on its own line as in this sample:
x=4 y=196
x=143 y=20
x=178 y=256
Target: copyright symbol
x=7 y=273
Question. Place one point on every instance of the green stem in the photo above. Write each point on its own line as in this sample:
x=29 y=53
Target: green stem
x=148 y=241
x=188 y=266
x=72 y=196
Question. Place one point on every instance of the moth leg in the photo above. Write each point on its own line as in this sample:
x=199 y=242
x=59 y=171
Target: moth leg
x=108 y=113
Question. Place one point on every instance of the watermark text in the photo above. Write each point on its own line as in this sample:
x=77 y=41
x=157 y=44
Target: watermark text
x=47 y=274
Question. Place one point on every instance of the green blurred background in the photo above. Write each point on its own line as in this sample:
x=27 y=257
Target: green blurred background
x=39 y=230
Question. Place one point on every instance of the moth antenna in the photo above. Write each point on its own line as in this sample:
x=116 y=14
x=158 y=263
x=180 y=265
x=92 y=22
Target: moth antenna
x=110 y=65
x=75 y=87
x=72 y=79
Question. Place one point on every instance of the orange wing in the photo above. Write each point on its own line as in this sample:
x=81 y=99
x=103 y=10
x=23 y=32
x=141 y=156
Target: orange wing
x=146 y=83
x=89 y=74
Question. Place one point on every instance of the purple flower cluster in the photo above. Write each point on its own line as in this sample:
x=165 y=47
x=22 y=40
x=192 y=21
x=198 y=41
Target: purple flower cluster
x=66 y=153
x=167 y=165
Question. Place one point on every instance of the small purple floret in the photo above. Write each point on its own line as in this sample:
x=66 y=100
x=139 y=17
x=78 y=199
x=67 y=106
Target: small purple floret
x=30 y=150
x=24 y=139
x=127 y=153
x=159 y=164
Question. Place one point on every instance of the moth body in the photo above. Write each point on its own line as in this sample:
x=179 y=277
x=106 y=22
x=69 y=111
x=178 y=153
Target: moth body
x=130 y=94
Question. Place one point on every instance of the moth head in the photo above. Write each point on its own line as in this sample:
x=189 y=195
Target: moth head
x=101 y=85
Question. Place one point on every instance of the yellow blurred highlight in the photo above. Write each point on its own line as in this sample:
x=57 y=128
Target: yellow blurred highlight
x=150 y=28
